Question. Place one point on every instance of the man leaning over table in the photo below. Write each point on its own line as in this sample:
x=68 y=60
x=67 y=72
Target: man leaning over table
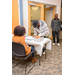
x=40 y=28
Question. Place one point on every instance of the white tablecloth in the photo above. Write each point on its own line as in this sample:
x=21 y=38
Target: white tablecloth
x=39 y=45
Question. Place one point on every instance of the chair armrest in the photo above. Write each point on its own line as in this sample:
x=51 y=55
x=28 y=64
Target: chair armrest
x=25 y=56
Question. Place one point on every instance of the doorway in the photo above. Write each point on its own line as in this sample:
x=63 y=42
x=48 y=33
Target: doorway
x=35 y=12
x=39 y=11
x=49 y=15
x=48 y=21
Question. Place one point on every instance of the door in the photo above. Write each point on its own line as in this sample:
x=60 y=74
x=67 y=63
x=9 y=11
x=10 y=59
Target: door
x=35 y=12
x=48 y=21
x=49 y=15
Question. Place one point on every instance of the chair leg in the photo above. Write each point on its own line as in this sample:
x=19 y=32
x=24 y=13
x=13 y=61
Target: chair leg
x=45 y=54
x=17 y=64
x=45 y=51
x=39 y=60
x=31 y=68
x=15 y=59
x=13 y=56
x=25 y=67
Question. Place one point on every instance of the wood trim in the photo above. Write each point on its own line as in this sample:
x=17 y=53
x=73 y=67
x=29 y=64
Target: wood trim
x=42 y=12
x=54 y=12
x=46 y=9
x=49 y=37
x=45 y=15
x=29 y=30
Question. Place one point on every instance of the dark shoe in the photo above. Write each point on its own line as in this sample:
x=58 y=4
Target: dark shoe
x=29 y=59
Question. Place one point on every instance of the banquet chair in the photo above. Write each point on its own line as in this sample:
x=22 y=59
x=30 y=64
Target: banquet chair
x=18 y=51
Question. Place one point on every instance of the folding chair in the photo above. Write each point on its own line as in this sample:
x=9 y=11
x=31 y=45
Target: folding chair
x=18 y=51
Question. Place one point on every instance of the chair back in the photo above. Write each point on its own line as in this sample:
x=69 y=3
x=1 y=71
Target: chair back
x=18 y=49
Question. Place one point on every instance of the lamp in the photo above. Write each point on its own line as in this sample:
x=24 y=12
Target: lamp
x=35 y=8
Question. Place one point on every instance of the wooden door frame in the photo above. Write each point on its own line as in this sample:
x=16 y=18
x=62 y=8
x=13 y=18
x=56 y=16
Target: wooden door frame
x=46 y=9
x=42 y=14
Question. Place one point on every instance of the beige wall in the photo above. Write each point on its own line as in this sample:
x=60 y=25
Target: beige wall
x=61 y=14
x=15 y=14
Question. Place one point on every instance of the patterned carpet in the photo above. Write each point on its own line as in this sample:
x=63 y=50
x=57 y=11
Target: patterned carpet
x=52 y=65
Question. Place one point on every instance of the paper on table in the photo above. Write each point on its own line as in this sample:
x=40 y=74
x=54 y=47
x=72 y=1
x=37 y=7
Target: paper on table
x=29 y=38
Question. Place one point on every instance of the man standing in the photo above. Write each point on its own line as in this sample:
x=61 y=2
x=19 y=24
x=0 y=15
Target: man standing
x=40 y=28
x=56 y=26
